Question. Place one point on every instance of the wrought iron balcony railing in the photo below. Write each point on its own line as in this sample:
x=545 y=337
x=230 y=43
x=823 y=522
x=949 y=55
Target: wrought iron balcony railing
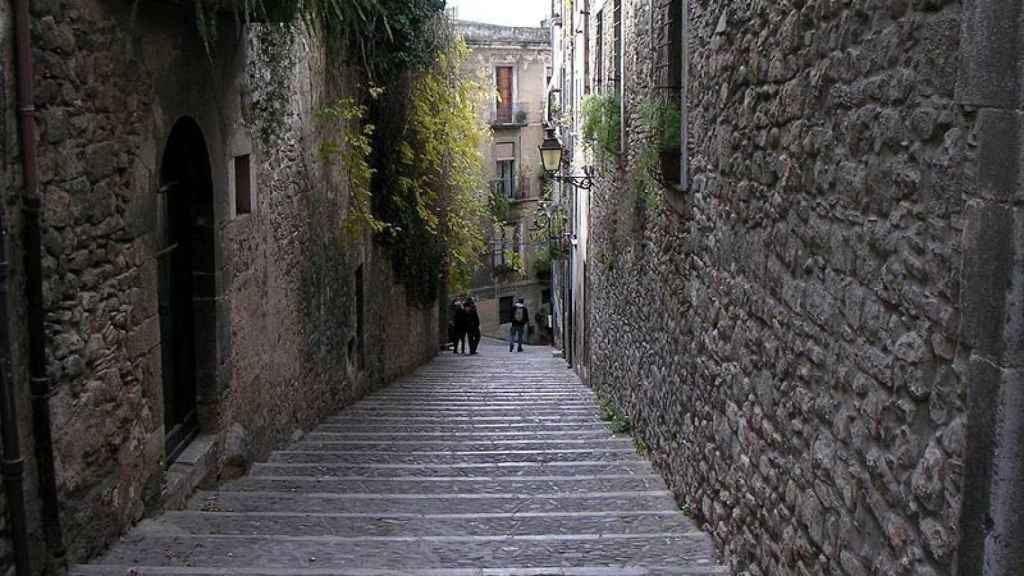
x=511 y=114
x=510 y=188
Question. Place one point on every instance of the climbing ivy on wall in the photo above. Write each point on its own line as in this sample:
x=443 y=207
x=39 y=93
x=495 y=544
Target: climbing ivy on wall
x=409 y=153
x=449 y=133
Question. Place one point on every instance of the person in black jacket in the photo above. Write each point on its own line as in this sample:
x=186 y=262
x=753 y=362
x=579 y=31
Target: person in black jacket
x=461 y=326
x=472 y=325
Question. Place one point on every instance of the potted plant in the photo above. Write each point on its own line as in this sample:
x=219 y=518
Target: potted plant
x=663 y=124
x=521 y=117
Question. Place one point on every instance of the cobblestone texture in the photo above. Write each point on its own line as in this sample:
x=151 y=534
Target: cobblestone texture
x=378 y=496
x=790 y=355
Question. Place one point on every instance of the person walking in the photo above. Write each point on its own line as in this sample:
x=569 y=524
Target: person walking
x=472 y=325
x=453 y=312
x=520 y=322
x=460 y=327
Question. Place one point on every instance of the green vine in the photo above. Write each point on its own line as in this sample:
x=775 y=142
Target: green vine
x=602 y=124
x=448 y=136
x=349 y=146
x=511 y=268
x=661 y=123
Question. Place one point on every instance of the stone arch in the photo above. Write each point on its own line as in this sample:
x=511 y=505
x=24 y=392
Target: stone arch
x=187 y=287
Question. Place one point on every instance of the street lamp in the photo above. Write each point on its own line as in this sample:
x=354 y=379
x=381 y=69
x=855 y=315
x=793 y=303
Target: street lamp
x=551 y=158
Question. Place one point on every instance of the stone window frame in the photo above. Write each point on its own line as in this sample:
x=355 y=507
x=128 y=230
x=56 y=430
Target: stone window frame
x=242 y=146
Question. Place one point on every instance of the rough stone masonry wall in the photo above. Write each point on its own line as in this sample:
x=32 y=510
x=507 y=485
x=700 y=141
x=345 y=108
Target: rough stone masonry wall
x=111 y=81
x=792 y=359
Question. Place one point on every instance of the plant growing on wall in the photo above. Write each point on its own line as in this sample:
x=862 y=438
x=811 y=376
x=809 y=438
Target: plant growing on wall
x=657 y=161
x=511 y=268
x=602 y=124
x=382 y=37
x=348 y=145
x=499 y=207
x=448 y=189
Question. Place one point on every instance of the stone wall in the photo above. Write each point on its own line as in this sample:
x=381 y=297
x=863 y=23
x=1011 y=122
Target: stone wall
x=792 y=358
x=278 y=346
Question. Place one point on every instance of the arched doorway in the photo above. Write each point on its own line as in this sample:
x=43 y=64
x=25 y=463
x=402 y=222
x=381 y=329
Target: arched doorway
x=186 y=281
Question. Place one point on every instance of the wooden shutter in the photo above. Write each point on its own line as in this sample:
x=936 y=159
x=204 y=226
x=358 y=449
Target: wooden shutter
x=504 y=81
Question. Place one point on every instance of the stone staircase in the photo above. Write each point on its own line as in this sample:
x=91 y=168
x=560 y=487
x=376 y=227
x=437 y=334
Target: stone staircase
x=495 y=465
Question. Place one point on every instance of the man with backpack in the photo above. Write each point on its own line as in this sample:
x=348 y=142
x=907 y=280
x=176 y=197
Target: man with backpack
x=520 y=320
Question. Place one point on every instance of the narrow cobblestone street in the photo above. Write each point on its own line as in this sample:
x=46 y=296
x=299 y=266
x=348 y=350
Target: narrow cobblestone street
x=494 y=464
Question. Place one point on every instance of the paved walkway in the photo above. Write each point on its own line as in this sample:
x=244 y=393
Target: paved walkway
x=489 y=465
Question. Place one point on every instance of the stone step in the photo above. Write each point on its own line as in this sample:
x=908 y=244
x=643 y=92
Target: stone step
x=415 y=525
x=484 y=404
x=386 y=404
x=490 y=385
x=516 y=413
x=425 y=458
x=496 y=445
x=357 y=417
x=217 y=551
x=469 y=395
x=563 y=469
x=371 y=437
x=440 y=485
x=700 y=569
x=389 y=504
x=433 y=427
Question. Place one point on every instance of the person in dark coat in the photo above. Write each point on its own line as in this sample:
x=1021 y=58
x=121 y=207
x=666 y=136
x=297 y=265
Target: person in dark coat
x=460 y=327
x=472 y=325
x=454 y=311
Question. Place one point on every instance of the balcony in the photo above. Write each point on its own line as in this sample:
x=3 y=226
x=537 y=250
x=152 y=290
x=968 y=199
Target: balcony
x=513 y=115
x=512 y=189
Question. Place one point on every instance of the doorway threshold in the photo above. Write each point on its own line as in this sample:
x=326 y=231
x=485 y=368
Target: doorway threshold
x=194 y=465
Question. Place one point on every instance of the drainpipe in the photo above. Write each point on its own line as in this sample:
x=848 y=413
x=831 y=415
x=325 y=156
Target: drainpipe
x=13 y=465
x=32 y=204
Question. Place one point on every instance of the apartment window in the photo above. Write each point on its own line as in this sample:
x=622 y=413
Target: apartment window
x=243 y=185
x=617 y=22
x=599 y=52
x=673 y=45
x=503 y=81
x=586 y=47
x=505 y=170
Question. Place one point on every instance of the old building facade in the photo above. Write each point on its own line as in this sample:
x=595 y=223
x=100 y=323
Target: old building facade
x=806 y=299
x=514 y=63
x=201 y=300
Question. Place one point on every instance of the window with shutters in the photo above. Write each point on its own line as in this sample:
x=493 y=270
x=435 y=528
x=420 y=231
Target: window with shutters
x=503 y=81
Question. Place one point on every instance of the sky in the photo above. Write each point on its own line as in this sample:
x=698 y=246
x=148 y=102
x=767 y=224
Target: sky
x=505 y=12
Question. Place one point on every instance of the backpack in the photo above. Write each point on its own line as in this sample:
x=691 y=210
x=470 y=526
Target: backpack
x=519 y=315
